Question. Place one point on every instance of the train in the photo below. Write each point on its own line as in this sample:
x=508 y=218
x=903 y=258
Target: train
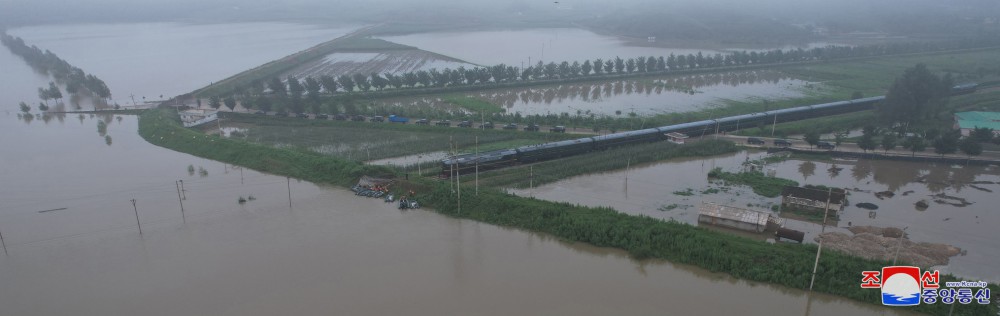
x=469 y=163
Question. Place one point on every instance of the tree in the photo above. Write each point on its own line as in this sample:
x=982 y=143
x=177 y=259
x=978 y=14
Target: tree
x=888 y=142
x=230 y=102
x=295 y=87
x=312 y=88
x=971 y=147
x=598 y=66
x=981 y=134
x=54 y=92
x=277 y=87
x=214 y=102
x=915 y=144
x=44 y=95
x=264 y=103
x=362 y=81
x=839 y=138
x=619 y=65
x=913 y=97
x=329 y=83
x=946 y=144
x=812 y=137
x=609 y=66
x=25 y=107
x=43 y=107
x=867 y=142
x=346 y=82
x=585 y=68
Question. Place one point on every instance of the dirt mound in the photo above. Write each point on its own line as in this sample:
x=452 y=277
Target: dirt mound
x=881 y=243
x=884 y=194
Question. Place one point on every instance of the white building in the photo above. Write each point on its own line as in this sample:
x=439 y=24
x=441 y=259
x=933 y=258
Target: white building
x=197 y=117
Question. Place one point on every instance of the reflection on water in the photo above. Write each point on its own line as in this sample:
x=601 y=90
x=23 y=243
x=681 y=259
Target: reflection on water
x=644 y=96
x=948 y=220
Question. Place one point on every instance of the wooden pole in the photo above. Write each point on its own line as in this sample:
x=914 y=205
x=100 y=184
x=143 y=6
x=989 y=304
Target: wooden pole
x=134 y=208
x=178 y=186
x=773 y=124
x=899 y=245
x=288 y=182
x=183 y=191
x=458 y=183
x=829 y=193
x=4 y=244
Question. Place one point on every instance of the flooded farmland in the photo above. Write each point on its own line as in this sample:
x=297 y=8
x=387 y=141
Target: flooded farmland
x=643 y=96
x=528 y=46
x=675 y=189
x=381 y=62
x=147 y=60
x=73 y=246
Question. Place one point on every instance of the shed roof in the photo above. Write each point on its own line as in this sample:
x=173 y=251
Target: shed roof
x=837 y=197
x=978 y=119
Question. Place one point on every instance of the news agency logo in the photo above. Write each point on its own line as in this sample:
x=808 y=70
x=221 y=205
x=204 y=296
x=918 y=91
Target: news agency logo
x=906 y=286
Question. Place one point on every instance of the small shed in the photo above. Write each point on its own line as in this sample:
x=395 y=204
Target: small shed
x=734 y=217
x=813 y=200
x=676 y=138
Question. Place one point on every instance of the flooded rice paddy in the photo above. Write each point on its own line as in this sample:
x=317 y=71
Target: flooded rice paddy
x=382 y=62
x=658 y=190
x=643 y=96
x=73 y=246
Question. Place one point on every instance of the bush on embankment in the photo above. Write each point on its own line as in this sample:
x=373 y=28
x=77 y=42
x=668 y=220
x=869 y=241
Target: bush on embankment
x=643 y=237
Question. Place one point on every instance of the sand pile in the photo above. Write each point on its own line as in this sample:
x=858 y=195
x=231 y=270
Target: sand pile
x=880 y=243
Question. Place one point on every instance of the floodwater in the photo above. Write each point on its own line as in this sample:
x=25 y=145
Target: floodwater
x=526 y=47
x=411 y=160
x=651 y=188
x=152 y=59
x=73 y=246
x=643 y=96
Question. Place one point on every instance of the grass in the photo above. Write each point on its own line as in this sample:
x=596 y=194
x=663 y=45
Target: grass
x=472 y=104
x=362 y=141
x=642 y=237
x=761 y=184
x=523 y=176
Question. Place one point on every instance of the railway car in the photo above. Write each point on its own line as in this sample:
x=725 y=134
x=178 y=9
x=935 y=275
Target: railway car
x=468 y=163
x=623 y=138
x=554 y=150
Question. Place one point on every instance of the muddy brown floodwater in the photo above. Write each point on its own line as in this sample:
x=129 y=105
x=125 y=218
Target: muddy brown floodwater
x=651 y=190
x=73 y=247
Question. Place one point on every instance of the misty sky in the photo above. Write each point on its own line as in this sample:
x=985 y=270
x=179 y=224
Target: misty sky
x=19 y=12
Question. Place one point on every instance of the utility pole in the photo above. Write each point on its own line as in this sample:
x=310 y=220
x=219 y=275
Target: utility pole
x=899 y=245
x=4 y=244
x=288 y=182
x=829 y=193
x=177 y=185
x=477 y=165
x=137 y=217
x=458 y=183
x=531 y=179
x=773 y=124
x=183 y=191
x=241 y=175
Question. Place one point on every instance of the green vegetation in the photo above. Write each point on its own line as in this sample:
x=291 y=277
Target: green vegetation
x=761 y=184
x=362 y=141
x=162 y=128
x=686 y=192
x=540 y=173
x=643 y=237
x=474 y=105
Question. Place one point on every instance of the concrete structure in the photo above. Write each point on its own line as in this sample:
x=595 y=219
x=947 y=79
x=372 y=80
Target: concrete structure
x=676 y=138
x=191 y=118
x=967 y=121
x=813 y=200
x=734 y=217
